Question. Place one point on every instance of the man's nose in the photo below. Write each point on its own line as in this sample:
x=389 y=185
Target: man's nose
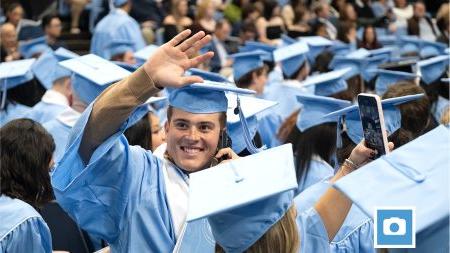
x=193 y=134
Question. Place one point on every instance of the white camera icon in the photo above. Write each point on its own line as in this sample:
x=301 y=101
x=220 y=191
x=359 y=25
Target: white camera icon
x=388 y=225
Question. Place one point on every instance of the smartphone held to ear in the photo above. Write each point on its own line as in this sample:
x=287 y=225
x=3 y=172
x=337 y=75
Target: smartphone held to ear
x=372 y=119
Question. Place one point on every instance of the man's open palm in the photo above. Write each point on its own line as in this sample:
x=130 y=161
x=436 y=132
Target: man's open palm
x=167 y=65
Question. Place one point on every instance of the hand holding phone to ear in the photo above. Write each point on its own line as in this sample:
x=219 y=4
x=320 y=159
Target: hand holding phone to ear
x=226 y=154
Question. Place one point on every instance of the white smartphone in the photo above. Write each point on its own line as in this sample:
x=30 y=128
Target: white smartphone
x=372 y=120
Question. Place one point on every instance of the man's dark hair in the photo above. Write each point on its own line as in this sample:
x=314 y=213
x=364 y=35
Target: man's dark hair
x=246 y=80
x=47 y=19
x=26 y=152
x=415 y=114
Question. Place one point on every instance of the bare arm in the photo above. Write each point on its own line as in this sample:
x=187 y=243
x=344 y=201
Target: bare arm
x=334 y=206
x=164 y=69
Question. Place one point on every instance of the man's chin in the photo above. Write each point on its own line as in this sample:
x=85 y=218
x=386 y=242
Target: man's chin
x=192 y=166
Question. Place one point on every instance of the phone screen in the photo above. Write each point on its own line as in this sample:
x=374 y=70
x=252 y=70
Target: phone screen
x=372 y=124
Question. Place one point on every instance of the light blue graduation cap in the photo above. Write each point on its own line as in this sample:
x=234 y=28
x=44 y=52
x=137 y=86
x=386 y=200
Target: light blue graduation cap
x=340 y=48
x=117 y=47
x=209 y=97
x=34 y=46
x=387 y=52
x=386 y=78
x=13 y=74
x=47 y=70
x=63 y=54
x=431 y=69
x=254 y=45
x=431 y=48
x=258 y=193
x=392 y=117
x=316 y=44
x=360 y=53
x=93 y=74
x=127 y=66
x=252 y=108
x=246 y=62
x=314 y=108
x=291 y=57
x=118 y=3
x=410 y=44
x=328 y=83
x=364 y=66
x=206 y=75
x=413 y=175
x=143 y=54
x=387 y=40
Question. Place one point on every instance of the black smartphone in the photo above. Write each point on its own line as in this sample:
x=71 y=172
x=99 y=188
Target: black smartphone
x=372 y=120
x=224 y=142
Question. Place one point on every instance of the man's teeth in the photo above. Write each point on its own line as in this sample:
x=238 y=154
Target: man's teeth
x=191 y=150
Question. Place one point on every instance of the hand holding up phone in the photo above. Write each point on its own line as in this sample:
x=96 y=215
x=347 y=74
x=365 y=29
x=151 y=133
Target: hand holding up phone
x=361 y=154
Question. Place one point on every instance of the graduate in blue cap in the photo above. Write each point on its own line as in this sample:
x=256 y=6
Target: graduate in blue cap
x=314 y=139
x=118 y=24
x=26 y=158
x=84 y=91
x=433 y=68
x=142 y=194
x=58 y=96
x=295 y=68
x=34 y=48
x=386 y=78
x=274 y=72
x=122 y=50
x=13 y=74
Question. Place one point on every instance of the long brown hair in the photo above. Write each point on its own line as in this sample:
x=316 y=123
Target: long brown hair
x=283 y=236
x=26 y=153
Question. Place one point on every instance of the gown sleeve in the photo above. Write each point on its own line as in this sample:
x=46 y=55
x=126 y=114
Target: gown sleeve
x=312 y=232
x=32 y=235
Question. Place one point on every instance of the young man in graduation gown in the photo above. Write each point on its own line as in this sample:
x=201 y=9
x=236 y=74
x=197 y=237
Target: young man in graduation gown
x=117 y=25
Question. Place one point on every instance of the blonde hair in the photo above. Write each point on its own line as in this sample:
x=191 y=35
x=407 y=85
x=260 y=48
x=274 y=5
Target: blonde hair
x=202 y=8
x=445 y=118
x=283 y=236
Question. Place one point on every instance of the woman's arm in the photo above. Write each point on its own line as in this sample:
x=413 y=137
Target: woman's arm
x=334 y=206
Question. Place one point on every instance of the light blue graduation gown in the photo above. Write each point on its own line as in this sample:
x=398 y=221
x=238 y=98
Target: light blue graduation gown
x=117 y=25
x=268 y=128
x=312 y=232
x=120 y=196
x=60 y=128
x=50 y=106
x=43 y=112
x=12 y=112
x=355 y=234
x=22 y=229
x=317 y=171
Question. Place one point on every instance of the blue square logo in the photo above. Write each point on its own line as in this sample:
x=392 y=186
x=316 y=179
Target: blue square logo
x=395 y=227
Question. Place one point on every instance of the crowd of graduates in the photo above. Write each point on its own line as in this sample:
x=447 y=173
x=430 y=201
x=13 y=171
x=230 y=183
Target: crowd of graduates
x=222 y=126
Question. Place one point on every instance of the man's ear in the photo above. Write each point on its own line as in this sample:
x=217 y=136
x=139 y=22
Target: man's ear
x=166 y=126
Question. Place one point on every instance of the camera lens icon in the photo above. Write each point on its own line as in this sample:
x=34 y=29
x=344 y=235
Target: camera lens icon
x=394 y=226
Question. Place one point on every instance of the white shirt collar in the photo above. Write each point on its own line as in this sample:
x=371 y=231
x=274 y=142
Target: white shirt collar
x=120 y=11
x=54 y=97
x=68 y=117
